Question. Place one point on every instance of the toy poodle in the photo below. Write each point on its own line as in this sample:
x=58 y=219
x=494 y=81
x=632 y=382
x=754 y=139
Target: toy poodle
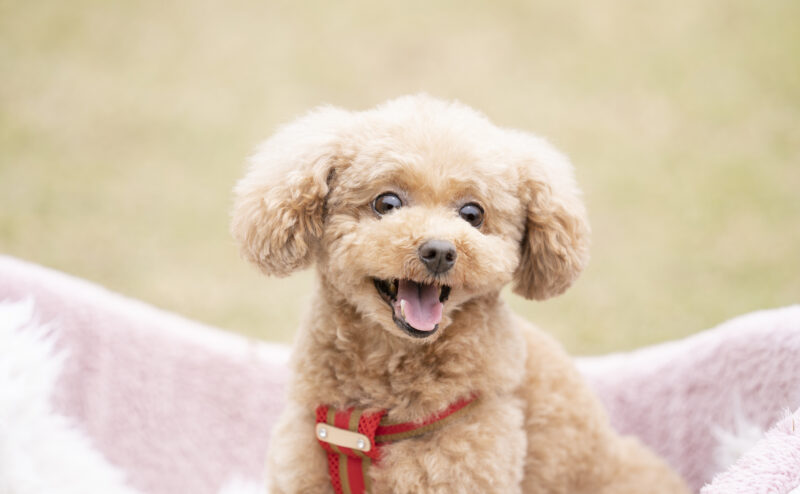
x=410 y=372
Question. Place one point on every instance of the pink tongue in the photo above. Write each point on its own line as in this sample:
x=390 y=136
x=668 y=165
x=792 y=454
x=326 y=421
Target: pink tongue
x=422 y=308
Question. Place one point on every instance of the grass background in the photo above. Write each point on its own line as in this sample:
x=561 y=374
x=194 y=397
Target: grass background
x=124 y=125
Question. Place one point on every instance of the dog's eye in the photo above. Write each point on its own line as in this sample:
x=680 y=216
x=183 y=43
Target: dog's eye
x=472 y=214
x=386 y=203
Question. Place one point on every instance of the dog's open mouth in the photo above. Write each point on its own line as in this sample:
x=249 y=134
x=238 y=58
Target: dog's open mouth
x=416 y=307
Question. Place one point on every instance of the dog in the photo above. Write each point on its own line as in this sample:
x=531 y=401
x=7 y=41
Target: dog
x=410 y=373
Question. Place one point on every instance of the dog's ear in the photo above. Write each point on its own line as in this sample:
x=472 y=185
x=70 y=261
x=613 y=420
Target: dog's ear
x=279 y=205
x=555 y=243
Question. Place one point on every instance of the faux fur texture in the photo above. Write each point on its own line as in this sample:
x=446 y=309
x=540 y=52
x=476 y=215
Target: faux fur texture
x=179 y=406
x=770 y=466
x=308 y=198
x=705 y=397
x=41 y=451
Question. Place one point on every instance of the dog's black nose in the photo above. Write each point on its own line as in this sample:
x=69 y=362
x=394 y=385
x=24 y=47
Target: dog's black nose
x=438 y=255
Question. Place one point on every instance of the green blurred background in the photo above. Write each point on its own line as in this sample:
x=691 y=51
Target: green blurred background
x=125 y=124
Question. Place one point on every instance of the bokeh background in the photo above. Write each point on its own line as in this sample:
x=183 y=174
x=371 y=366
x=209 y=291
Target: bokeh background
x=124 y=126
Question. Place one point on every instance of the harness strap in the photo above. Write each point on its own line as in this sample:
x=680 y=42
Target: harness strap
x=352 y=438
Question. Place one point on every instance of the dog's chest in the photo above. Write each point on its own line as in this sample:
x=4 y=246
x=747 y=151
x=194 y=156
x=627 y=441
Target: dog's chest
x=481 y=451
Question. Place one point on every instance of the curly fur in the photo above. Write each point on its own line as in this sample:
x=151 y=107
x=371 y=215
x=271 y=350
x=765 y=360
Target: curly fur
x=307 y=199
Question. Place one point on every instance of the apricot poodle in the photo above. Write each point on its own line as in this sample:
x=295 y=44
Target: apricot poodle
x=411 y=375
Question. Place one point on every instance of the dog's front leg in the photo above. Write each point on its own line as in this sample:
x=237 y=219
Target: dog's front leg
x=296 y=464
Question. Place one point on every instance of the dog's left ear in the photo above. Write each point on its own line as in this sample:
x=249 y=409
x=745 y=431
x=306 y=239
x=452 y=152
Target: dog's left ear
x=555 y=244
x=279 y=207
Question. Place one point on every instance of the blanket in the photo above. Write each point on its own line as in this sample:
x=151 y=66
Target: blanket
x=161 y=404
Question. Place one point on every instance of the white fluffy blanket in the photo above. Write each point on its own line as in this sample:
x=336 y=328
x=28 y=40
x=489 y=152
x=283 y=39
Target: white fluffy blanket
x=41 y=450
x=99 y=393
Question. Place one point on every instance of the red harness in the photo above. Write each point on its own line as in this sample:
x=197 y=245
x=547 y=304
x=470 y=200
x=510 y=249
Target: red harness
x=353 y=440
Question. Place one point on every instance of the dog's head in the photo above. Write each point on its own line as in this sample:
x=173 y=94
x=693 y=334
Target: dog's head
x=412 y=210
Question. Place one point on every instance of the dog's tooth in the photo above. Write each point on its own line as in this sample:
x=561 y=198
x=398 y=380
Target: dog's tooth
x=403 y=308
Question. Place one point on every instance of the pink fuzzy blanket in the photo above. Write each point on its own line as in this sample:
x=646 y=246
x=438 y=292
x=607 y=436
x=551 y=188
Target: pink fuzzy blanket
x=181 y=407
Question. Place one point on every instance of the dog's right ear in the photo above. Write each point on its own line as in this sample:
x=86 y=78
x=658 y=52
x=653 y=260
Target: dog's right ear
x=279 y=205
